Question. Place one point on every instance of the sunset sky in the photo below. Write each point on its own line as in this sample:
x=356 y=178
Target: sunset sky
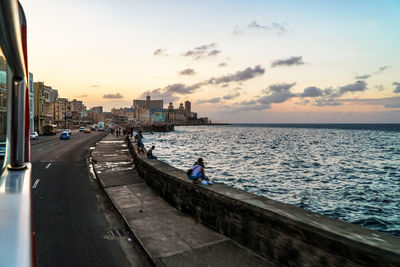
x=237 y=61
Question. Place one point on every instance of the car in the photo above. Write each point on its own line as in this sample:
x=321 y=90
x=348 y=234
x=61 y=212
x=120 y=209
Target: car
x=34 y=136
x=87 y=130
x=81 y=128
x=92 y=128
x=64 y=136
x=68 y=131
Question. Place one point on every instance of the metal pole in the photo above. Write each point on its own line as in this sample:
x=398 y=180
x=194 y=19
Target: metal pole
x=17 y=148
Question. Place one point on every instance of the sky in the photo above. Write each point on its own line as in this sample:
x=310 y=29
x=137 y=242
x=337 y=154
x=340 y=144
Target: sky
x=236 y=61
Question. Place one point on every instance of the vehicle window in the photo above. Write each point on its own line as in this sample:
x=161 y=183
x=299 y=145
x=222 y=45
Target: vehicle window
x=3 y=106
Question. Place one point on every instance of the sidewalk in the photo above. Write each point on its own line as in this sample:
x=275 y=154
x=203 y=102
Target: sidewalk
x=169 y=237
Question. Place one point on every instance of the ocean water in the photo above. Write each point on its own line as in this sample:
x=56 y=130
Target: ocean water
x=348 y=172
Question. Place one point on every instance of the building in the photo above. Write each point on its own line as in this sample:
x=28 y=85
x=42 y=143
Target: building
x=130 y=114
x=118 y=111
x=148 y=103
x=180 y=114
x=77 y=105
x=97 y=110
x=31 y=103
x=63 y=111
x=53 y=98
x=143 y=115
x=108 y=118
x=188 y=110
x=43 y=114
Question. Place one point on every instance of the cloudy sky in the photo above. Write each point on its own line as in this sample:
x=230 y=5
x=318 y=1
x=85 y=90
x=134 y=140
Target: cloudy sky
x=237 y=61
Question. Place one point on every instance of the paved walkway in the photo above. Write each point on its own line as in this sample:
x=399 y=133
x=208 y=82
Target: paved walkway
x=169 y=237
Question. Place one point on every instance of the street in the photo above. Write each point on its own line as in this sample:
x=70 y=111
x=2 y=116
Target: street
x=74 y=222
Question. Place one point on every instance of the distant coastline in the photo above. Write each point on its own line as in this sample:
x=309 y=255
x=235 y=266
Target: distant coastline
x=344 y=126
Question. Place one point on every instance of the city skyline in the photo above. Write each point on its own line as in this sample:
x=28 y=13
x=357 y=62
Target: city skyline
x=239 y=62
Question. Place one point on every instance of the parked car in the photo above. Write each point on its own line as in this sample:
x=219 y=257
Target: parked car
x=68 y=131
x=34 y=136
x=81 y=128
x=64 y=136
x=87 y=130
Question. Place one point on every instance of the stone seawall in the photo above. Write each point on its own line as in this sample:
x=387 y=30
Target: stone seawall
x=284 y=234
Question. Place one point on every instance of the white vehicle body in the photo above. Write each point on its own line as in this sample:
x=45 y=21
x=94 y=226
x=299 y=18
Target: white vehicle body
x=100 y=126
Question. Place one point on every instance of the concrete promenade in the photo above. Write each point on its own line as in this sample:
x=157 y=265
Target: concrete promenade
x=168 y=237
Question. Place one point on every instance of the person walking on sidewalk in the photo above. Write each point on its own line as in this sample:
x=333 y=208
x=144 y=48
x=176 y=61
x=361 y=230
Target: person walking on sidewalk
x=139 y=138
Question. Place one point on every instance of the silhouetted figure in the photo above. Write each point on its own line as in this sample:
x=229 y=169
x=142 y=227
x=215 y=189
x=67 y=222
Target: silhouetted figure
x=139 y=140
x=150 y=153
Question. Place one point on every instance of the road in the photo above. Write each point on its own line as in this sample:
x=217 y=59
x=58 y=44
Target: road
x=74 y=222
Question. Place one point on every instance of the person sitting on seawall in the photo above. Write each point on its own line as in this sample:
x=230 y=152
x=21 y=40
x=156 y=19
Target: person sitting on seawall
x=197 y=173
x=139 y=138
x=150 y=153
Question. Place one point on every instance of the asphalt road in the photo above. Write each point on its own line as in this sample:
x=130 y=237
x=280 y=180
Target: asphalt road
x=74 y=222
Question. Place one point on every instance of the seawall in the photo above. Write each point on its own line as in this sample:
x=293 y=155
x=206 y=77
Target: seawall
x=282 y=233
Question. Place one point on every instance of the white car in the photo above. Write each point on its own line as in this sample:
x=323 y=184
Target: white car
x=81 y=128
x=68 y=131
x=34 y=136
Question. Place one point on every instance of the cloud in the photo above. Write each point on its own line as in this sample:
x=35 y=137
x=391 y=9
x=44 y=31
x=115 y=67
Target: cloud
x=277 y=93
x=330 y=96
x=367 y=76
x=327 y=102
x=172 y=90
x=280 y=29
x=358 y=86
x=187 y=71
x=237 y=30
x=94 y=86
x=231 y=96
x=383 y=68
x=212 y=100
x=282 y=87
x=239 y=76
x=222 y=64
x=388 y=102
x=160 y=52
x=303 y=102
x=245 y=106
x=85 y=95
x=179 y=88
x=159 y=94
x=393 y=105
x=213 y=53
x=202 y=51
x=380 y=87
x=288 y=62
x=248 y=102
x=397 y=88
x=312 y=91
x=363 y=77
x=113 y=96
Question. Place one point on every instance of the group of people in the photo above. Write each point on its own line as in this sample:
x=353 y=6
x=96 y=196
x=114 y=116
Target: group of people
x=196 y=173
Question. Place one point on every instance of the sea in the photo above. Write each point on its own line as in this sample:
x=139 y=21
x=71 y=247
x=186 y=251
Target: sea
x=350 y=172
